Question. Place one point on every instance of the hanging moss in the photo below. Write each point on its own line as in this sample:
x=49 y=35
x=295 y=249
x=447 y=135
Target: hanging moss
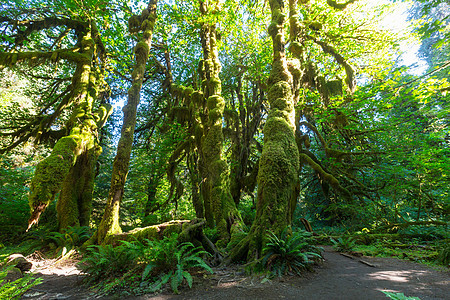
x=339 y=6
x=187 y=93
x=315 y=25
x=334 y=87
x=49 y=175
x=197 y=98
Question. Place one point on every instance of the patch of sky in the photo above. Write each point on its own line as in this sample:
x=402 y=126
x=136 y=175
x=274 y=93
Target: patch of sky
x=397 y=21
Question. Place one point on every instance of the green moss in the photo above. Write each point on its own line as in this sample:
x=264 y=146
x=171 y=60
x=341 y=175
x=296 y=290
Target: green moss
x=75 y=201
x=294 y=68
x=188 y=92
x=279 y=163
x=197 y=98
x=102 y=114
x=279 y=73
x=315 y=25
x=216 y=102
x=215 y=86
x=141 y=48
x=334 y=87
x=273 y=28
x=49 y=175
x=155 y=232
x=13 y=59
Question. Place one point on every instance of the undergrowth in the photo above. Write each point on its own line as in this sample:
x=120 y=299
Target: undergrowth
x=15 y=289
x=290 y=253
x=136 y=268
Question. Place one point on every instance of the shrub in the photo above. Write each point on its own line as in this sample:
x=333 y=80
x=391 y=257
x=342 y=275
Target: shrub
x=71 y=237
x=143 y=267
x=172 y=263
x=290 y=253
x=443 y=257
x=344 y=244
x=104 y=262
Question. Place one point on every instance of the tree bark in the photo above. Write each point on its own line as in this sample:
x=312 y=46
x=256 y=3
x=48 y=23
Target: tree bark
x=70 y=167
x=226 y=215
x=278 y=175
x=110 y=221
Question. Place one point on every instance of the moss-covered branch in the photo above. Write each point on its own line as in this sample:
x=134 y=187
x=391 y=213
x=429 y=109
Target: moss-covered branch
x=31 y=26
x=340 y=6
x=33 y=58
x=351 y=79
x=329 y=178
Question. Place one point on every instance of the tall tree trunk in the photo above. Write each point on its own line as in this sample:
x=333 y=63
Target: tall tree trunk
x=110 y=221
x=226 y=215
x=278 y=177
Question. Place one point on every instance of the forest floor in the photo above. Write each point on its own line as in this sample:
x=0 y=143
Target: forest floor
x=339 y=277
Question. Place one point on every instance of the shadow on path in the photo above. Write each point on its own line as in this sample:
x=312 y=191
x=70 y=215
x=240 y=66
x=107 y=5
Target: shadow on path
x=339 y=277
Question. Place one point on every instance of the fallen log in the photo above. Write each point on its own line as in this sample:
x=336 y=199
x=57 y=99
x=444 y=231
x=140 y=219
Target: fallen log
x=187 y=230
x=396 y=226
x=359 y=260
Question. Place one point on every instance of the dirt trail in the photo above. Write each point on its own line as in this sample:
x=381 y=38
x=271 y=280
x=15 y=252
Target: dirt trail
x=339 y=277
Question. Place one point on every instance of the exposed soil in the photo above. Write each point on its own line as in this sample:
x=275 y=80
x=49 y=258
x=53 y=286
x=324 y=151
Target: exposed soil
x=339 y=277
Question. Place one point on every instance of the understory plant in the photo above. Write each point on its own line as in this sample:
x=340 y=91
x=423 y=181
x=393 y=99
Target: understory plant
x=106 y=262
x=143 y=267
x=70 y=238
x=399 y=296
x=165 y=261
x=16 y=288
x=344 y=244
x=45 y=239
x=290 y=253
x=443 y=257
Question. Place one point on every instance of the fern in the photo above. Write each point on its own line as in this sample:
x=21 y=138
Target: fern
x=15 y=289
x=174 y=264
x=106 y=262
x=399 y=296
x=444 y=255
x=344 y=244
x=155 y=263
x=289 y=254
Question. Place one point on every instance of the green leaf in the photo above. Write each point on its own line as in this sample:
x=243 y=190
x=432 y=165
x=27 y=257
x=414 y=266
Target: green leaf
x=188 y=277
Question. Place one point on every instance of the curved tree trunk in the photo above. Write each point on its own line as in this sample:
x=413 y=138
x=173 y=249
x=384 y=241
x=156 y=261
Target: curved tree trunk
x=64 y=170
x=110 y=221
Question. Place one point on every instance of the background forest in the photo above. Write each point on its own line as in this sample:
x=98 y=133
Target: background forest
x=246 y=122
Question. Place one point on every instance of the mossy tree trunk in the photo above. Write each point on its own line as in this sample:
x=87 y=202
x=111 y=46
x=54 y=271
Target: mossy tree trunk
x=70 y=167
x=110 y=221
x=225 y=213
x=278 y=175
